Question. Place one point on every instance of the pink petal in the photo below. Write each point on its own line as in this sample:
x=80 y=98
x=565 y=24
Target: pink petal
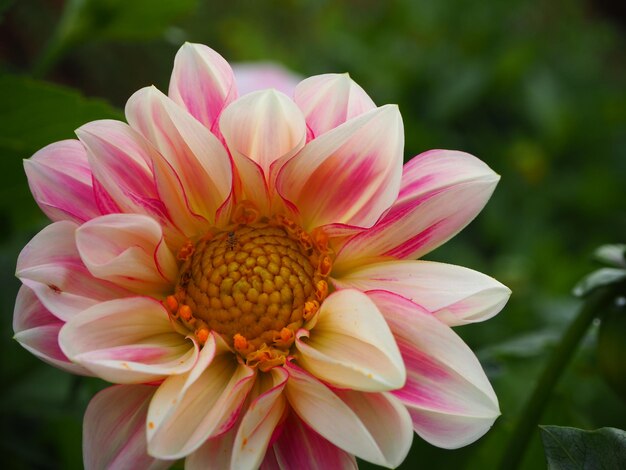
x=197 y=156
x=421 y=221
x=435 y=170
x=351 y=345
x=60 y=179
x=203 y=83
x=454 y=294
x=386 y=418
x=127 y=341
x=254 y=76
x=121 y=162
x=300 y=447
x=188 y=409
x=51 y=266
x=262 y=129
x=37 y=330
x=329 y=100
x=349 y=175
x=450 y=400
x=128 y=250
x=215 y=453
x=114 y=430
x=259 y=422
x=321 y=409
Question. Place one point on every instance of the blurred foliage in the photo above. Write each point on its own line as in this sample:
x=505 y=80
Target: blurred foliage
x=574 y=448
x=535 y=89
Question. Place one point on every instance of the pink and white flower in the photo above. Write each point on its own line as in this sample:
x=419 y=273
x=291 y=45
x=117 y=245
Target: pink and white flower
x=243 y=269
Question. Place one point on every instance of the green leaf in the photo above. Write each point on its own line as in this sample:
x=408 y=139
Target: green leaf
x=121 y=19
x=568 y=448
x=599 y=278
x=613 y=255
x=35 y=114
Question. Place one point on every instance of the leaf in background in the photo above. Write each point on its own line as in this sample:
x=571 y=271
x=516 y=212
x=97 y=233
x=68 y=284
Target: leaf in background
x=613 y=255
x=120 y=19
x=568 y=448
x=599 y=278
x=35 y=114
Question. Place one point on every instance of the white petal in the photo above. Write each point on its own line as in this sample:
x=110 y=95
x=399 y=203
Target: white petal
x=259 y=422
x=331 y=417
x=61 y=181
x=202 y=82
x=454 y=294
x=51 y=266
x=197 y=157
x=330 y=100
x=114 y=430
x=127 y=341
x=351 y=346
x=262 y=130
x=37 y=330
x=191 y=408
x=350 y=175
x=128 y=250
x=450 y=400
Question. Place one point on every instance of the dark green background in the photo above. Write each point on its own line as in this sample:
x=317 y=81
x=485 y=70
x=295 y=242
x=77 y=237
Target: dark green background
x=534 y=88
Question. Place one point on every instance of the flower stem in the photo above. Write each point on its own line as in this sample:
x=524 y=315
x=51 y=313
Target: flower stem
x=61 y=39
x=558 y=361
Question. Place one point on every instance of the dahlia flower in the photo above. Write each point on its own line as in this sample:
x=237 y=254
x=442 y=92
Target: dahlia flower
x=243 y=270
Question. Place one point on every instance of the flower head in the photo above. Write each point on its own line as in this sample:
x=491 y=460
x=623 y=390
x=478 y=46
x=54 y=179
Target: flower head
x=243 y=269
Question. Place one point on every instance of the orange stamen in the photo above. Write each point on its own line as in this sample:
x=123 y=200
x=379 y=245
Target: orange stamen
x=185 y=251
x=240 y=343
x=310 y=308
x=202 y=334
x=171 y=303
x=322 y=290
x=185 y=312
x=320 y=237
x=325 y=265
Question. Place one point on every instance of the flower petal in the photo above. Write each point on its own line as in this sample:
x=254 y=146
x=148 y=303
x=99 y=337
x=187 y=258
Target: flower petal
x=127 y=341
x=421 y=221
x=37 y=330
x=214 y=454
x=254 y=76
x=114 y=430
x=330 y=100
x=450 y=400
x=435 y=170
x=324 y=411
x=51 y=266
x=351 y=345
x=300 y=447
x=196 y=155
x=205 y=402
x=454 y=294
x=128 y=250
x=61 y=182
x=386 y=418
x=202 y=82
x=262 y=129
x=349 y=175
x=122 y=162
x=259 y=422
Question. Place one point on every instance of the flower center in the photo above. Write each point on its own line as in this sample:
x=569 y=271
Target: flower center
x=255 y=285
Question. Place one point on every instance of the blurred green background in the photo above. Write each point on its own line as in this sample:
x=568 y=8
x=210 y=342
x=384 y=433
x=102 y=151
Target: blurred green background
x=534 y=88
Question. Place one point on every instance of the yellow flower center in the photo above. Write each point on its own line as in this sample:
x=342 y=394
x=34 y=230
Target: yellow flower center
x=255 y=285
